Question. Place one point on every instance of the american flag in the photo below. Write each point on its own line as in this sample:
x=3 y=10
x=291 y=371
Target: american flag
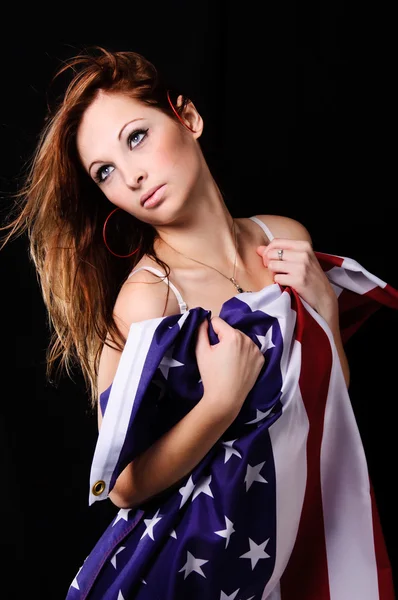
x=281 y=507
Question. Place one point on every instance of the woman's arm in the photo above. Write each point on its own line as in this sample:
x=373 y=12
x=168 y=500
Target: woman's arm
x=228 y=370
x=173 y=455
x=304 y=274
x=330 y=312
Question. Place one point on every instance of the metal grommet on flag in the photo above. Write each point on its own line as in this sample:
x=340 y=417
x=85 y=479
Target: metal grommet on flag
x=98 y=487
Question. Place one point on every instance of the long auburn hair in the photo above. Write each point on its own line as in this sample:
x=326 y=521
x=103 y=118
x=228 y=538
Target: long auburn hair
x=63 y=212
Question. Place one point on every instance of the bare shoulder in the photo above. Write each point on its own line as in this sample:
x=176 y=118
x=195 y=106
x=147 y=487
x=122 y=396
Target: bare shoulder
x=144 y=295
x=285 y=227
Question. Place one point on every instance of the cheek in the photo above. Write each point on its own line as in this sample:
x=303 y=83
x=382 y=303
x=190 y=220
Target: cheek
x=118 y=194
x=174 y=152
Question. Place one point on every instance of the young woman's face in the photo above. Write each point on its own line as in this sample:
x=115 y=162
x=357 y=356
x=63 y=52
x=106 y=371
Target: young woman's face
x=130 y=149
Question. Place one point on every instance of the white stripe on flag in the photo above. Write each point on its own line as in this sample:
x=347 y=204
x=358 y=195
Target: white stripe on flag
x=352 y=276
x=346 y=500
x=275 y=594
x=288 y=436
x=121 y=401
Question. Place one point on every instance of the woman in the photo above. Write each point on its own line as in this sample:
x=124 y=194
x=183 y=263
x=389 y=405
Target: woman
x=122 y=151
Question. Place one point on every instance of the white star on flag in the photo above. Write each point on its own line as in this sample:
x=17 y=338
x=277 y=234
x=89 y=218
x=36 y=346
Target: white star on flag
x=259 y=416
x=168 y=361
x=120 y=596
x=173 y=534
x=266 y=341
x=230 y=450
x=193 y=564
x=256 y=552
x=122 y=514
x=253 y=474
x=228 y=531
x=231 y=597
x=74 y=582
x=113 y=559
x=186 y=490
x=150 y=523
x=203 y=487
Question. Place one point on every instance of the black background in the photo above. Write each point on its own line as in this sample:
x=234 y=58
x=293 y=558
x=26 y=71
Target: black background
x=299 y=110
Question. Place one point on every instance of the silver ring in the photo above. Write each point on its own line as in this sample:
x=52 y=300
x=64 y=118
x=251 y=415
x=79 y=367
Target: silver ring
x=280 y=254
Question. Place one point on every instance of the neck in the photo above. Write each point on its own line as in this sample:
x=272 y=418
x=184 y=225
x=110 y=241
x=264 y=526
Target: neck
x=204 y=232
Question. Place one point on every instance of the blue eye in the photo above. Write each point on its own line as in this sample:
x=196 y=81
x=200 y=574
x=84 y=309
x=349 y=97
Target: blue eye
x=134 y=139
x=103 y=173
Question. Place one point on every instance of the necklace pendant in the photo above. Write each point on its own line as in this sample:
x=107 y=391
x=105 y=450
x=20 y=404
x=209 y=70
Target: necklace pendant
x=236 y=284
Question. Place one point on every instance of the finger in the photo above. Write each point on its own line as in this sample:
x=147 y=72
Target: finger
x=292 y=256
x=261 y=251
x=281 y=266
x=283 y=279
x=202 y=337
x=220 y=327
x=288 y=244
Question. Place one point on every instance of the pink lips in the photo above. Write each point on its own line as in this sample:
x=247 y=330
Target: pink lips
x=153 y=196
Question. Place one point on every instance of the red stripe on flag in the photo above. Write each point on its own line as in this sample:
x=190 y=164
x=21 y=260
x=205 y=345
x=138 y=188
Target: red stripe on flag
x=306 y=574
x=356 y=308
x=328 y=261
x=388 y=296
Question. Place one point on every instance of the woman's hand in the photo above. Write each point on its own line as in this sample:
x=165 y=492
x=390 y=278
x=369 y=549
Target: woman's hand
x=230 y=368
x=300 y=269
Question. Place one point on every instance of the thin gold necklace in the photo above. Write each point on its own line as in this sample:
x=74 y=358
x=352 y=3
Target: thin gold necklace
x=232 y=279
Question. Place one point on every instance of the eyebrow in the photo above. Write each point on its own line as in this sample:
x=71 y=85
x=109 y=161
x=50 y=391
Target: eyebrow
x=118 y=137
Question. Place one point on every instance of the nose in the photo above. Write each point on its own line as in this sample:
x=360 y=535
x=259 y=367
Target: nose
x=134 y=177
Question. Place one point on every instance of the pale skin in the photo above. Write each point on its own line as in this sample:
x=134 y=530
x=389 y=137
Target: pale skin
x=194 y=220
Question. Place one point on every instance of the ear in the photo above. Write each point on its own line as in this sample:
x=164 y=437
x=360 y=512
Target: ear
x=191 y=117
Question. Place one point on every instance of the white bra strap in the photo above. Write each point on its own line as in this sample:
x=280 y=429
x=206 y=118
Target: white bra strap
x=181 y=302
x=263 y=227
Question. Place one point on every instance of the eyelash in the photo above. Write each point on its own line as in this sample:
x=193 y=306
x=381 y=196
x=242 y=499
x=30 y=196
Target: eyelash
x=98 y=178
